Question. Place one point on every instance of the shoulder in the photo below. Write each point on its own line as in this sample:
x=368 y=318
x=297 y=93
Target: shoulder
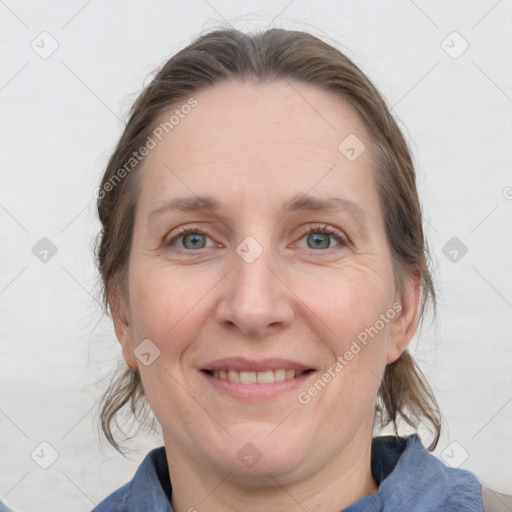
x=413 y=476
x=117 y=501
x=150 y=488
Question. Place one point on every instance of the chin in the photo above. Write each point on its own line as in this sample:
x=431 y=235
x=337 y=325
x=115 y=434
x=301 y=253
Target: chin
x=254 y=457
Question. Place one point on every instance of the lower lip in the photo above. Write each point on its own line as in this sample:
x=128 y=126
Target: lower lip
x=257 y=391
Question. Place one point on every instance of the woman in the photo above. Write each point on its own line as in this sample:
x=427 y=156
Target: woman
x=263 y=259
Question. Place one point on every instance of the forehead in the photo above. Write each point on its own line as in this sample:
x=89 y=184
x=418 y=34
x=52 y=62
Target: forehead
x=259 y=140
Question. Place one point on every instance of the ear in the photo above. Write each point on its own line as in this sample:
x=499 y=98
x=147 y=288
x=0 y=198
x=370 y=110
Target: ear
x=405 y=323
x=122 y=326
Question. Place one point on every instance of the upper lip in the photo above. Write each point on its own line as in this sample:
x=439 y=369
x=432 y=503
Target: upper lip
x=241 y=364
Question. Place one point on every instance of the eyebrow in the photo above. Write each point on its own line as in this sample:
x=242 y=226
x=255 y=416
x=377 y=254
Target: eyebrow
x=188 y=204
x=311 y=203
x=296 y=204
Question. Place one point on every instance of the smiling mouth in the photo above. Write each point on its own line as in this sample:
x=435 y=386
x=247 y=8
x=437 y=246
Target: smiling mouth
x=249 y=377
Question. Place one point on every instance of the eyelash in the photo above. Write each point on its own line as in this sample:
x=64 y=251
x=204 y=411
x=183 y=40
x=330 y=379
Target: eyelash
x=320 y=228
x=324 y=229
x=183 y=232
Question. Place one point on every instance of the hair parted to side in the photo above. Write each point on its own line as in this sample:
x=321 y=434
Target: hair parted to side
x=275 y=54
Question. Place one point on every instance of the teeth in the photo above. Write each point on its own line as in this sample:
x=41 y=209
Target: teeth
x=279 y=375
x=266 y=377
x=248 y=377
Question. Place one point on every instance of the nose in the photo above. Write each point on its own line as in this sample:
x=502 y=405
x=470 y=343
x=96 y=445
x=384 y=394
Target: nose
x=255 y=299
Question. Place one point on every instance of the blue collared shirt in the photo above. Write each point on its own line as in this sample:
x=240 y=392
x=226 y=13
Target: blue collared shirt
x=409 y=479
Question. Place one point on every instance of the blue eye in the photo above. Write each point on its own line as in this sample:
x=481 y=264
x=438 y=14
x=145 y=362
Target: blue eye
x=194 y=241
x=321 y=237
x=189 y=239
x=319 y=240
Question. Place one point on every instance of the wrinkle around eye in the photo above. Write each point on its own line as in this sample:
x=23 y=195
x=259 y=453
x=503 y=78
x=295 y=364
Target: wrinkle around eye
x=172 y=241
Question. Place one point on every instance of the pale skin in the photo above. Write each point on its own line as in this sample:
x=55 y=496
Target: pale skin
x=255 y=147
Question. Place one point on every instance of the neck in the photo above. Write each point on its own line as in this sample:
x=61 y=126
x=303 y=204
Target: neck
x=344 y=480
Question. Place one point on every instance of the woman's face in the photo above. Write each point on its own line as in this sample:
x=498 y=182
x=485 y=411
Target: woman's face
x=283 y=276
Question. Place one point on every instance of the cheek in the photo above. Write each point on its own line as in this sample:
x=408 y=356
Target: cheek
x=351 y=303
x=171 y=307
x=359 y=349
x=355 y=309
x=165 y=308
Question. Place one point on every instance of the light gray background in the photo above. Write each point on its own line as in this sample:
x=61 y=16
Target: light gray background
x=60 y=119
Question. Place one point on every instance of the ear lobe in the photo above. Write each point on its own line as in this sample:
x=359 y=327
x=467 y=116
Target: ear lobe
x=405 y=323
x=122 y=326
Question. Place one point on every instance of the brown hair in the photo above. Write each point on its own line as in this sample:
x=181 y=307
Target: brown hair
x=276 y=54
